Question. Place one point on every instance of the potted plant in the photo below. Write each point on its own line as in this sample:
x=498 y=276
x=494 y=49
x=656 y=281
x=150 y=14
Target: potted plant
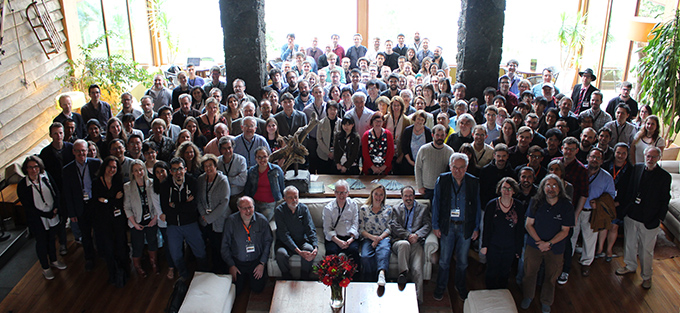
x=660 y=86
x=114 y=74
x=336 y=271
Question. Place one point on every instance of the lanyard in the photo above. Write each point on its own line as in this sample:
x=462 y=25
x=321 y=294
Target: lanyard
x=247 y=228
x=245 y=145
x=81 y=175
x=619 y=130
x=339 y=215
x=38 y=188
x=477 y=159
x=594 y=177
x=207 y=189
x=395 y=124
x=317 y=111
x=615 y=172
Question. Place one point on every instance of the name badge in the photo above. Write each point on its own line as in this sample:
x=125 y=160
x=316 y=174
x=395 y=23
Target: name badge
x=455 y=213
x=343 y=159
x=86 y=197
x=250 y=246
x=638 y=200
x=117 y=213
x=147 y=216
x=208 y=210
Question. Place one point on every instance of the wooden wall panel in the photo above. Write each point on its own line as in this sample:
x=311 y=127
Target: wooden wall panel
x=27 y=110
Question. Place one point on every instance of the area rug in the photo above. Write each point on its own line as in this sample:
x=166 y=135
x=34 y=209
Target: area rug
x=664 y=248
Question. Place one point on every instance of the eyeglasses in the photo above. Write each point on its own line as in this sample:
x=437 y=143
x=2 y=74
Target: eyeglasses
x=506 y=189
x=261 y=157
x=176 y=169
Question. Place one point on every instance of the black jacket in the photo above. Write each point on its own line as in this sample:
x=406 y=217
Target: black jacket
x=184 y=212
x=25 y=193
x=653 y=203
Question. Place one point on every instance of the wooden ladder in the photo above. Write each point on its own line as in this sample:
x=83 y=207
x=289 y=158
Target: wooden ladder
x=43 y=28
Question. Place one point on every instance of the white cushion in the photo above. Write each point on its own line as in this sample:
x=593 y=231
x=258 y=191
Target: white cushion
x=490 y=301
x=209 y=293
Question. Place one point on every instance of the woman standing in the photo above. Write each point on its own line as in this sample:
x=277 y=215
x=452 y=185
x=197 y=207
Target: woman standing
x=114 y=130
x=39 y=196
x=274 y=140
x=191 y=124
x=503 y=235
x=377 y=145
x=414 y=137
x=325 y=135
x=213 y=206
x=647 y=136
x=192 y=158
x=198 y=98
x=208 y=120
x=142 y=214
x=265 y=183
x=645 y=111
x=110 y=220
x=396 y=122
x=346 y=151
x=508 y=134
x=429 y=95
x=374 y=226
x=160 y=174
x=411 y=57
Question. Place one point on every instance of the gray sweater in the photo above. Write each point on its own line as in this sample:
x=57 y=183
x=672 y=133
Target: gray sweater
x=431 y=162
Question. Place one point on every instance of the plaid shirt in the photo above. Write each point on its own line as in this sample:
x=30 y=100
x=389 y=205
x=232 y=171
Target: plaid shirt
x=577 y=175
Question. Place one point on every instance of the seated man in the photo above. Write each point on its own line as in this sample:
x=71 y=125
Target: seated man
x=245 y=246
x=295 y=233
x=341 y=223
x=410 y=226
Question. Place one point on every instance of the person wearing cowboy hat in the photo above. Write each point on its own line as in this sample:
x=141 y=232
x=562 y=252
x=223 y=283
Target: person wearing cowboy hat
x=580 y=96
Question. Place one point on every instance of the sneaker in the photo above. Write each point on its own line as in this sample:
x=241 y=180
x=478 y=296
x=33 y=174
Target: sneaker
x=63 y=250
x=526 y=302
x=49 y=275
x=564 y=277
x=59 y=265
x=624 y=270
x=585 y=270
x=600 y=255
x=647 y=283
x=545 y=308
x=438 y=296
x=381 y=279
x=578 y=250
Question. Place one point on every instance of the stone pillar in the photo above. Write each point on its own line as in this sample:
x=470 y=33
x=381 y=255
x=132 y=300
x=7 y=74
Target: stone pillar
x=244 y=43
x=480 y=42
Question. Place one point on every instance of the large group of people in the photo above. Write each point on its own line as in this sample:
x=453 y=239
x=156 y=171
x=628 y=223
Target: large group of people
x=517 y=174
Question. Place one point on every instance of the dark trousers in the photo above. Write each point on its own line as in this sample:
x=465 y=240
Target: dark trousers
x=315 y=163
x=168 y=256
x=44 y=245
x=214 y=241
x=568 y=252
x=112 y=243
x=246 y=276
x=137 y=239
x=352 y=251
x=190 y=233
x=499 y=262
x=283 y=255
x=85 y=226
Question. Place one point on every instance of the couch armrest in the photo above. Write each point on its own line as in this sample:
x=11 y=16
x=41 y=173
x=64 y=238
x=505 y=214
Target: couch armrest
x=431 y=246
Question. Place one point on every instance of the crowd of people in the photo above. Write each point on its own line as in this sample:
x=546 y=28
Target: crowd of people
x=523 y=173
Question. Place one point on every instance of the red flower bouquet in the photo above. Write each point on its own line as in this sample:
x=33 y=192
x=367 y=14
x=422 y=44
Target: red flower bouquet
x=335 y=270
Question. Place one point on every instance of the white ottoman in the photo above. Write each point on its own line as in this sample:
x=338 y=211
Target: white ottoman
x=490 y=301
x=209 y=293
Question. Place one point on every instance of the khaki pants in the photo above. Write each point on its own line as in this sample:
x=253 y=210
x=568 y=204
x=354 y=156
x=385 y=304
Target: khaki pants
x=589 y=237
x=410 y=258
x=639 y=242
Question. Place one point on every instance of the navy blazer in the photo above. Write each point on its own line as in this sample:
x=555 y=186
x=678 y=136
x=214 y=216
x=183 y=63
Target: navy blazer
x=72 y=190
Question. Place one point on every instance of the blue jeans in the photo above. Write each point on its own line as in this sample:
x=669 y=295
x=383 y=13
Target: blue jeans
x=192 y=235
x=452 y=243
x=374 y=259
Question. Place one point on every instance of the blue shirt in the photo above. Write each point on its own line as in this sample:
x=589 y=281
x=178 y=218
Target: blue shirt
x=458 y=200
x=247 y=148
x=409 y=218
x=600 y=183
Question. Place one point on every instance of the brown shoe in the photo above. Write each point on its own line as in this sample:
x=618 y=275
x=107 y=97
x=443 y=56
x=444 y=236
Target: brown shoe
x=585 y=270
x=647 y=283
x=624 y=270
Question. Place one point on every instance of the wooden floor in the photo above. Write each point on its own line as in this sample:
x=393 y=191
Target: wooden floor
x=74 y=290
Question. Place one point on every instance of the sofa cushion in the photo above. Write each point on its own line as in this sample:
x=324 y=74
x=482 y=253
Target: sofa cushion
x=490 y=301
x=209 y=293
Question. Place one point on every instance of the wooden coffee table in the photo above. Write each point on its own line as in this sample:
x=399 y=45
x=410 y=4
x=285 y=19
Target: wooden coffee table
x=306 y=296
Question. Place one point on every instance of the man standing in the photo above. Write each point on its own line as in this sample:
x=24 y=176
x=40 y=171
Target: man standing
x=622 y=130
x=67 y=113
x=292 y=80
x=410 y=225
x=493 y=131
x=456 y=214
x=245 y=246
x=192 y=79
x=355 y=52
x=341 y=223
x=289 y=119
x=492 y=173
x=582 y=92
x=483 y=152
x=185 y=110
x=215 y=81
x=160 y=95
x=172 y=130
x=436 y=155
x=393 y=86
x=337 y=48
x=290 y=48
x=512 y=75
x=317 y=107
x=391 y=58
x=401 y=48
x=360 y=114
x=600 y=182
x=314 y=51
x=276 y=77
x=248 y=141
x=416 y=41
x=533 y=122
x=143 y=122
x=588 y=141
x=511 y=100
x=649 y=192
x=126 y=102
x=425 y=51
x=623 y=98
x=234 y=166
x=518 y=154
x=371 y=55
x=438 y=59
x=180 y=211
x=96 y=109
x=304 y=98
x=600 y=118
x=295 y=234
x=78 y=177
x=248 y=110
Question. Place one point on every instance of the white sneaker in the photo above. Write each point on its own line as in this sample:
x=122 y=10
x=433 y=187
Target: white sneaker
x=381 y=279
x=59 y=265
x=48 y=274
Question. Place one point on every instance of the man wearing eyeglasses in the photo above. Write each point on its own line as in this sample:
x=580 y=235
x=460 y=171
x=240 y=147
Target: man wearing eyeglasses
x=648 y=194
x=341 y=223
x=180 y=211
x=623 y=98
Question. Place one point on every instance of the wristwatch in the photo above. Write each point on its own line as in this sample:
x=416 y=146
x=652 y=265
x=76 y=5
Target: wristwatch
x=550 y=244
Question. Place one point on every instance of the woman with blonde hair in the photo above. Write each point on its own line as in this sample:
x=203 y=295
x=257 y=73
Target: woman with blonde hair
x=649 y=135
x=374 y=226
x=396 y=122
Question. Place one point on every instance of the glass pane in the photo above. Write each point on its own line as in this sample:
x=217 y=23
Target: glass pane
x=141 y=38
x=91 y=24
x=595 y=26
x=308 y=19
x=117 y=23
x=617 y=48
x=435 y=20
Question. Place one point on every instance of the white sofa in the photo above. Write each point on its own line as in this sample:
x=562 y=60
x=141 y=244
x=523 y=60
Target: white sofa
x=316 y=206
x=209 y=293
x=672 y=220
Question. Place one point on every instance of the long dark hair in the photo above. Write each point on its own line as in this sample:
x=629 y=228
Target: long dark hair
x=341 y=133
x=540 y=193
x=156 y=182
x=105 y=163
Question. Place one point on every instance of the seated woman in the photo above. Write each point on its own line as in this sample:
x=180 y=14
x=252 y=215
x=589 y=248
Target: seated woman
x=346 y=148
x=208 y=120
x=192 y=158
x=414 y=137
x=39 y=195
x=212 y=196
x=191 y=124
x=142 y=214
x=503 y=235
x=377 y=146
x=110 y=221
x=325 y=134
x=265 y=183
x=374 y=227
x=396 y=122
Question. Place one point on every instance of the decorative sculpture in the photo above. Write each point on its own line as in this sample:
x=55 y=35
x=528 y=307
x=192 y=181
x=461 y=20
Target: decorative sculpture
x=294 y=152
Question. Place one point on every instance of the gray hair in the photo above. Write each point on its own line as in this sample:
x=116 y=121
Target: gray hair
x=459 y=156
x=342 y=182
x=461 y=103
x=226 y=139
x=650 y=148
x=144 y=98
x=289 y=189
x=358 y=95
x=185 y=95
x=406 y=91
x=467 y=116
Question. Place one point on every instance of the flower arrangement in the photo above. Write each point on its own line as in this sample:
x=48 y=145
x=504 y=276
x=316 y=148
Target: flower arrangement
x=335 y=270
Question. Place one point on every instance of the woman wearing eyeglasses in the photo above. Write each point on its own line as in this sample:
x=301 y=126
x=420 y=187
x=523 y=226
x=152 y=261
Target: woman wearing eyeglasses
x=265 y=183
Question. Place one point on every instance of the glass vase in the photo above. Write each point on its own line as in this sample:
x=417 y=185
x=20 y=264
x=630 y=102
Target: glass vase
x=337 y=297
